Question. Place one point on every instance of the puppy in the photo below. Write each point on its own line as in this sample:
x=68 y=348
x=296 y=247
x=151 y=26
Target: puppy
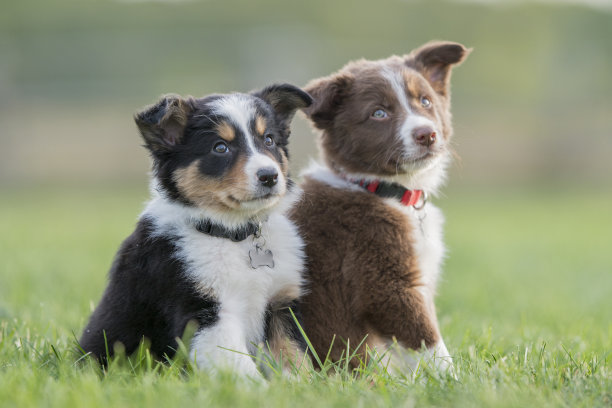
x=213 y=245
x=373 y=241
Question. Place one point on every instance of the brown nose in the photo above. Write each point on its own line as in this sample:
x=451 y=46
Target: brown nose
x=425 y=136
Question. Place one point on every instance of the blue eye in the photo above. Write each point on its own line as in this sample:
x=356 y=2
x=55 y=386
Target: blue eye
x=268 y=141
x=379 y=114
x=425 y=102
x=221 y=148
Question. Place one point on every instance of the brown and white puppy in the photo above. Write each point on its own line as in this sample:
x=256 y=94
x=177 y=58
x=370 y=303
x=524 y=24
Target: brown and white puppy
x=373 y=242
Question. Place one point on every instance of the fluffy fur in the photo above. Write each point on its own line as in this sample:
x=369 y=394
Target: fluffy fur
x=373 y=264
x=219 y=159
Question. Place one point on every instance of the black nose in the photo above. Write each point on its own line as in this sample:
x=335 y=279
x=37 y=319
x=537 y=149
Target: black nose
x=425 y=136
x=267 y=177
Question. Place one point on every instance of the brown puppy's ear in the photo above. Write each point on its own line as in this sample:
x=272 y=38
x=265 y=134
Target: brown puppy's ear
x=328 y=93
x=285 y=100
x=435 y=59
x=163 y=123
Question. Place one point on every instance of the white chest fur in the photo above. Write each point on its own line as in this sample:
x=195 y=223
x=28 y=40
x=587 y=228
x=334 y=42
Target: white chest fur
x=428 y=242
x=221 y=268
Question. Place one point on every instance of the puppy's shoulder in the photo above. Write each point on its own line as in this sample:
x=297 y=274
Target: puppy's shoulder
x=339 y=207
x=142 y=252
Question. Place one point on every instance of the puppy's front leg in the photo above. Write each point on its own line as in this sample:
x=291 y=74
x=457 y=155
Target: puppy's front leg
x=223 y=346
x=406 y=316
x=437 y=354
x=440 y=356
x=283 y=337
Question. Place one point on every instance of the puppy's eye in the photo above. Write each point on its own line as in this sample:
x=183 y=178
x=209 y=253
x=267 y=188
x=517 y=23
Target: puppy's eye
x=380 y=114
x=268 y=141
x=221 y=148
x=425 y=102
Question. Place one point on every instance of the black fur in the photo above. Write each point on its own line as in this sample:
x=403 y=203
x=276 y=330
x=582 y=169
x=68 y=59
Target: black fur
x=280 y=315
x=147 y=296
x=179 y=131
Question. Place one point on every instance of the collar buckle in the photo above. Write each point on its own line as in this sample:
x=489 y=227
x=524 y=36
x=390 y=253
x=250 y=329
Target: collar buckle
x=424 y=199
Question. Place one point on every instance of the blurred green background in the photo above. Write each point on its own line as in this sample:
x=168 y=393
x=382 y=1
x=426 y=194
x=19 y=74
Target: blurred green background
x=528 y=205
x=532 y=104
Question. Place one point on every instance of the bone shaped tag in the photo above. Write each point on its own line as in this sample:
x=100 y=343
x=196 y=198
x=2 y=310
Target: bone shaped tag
x=261 y=257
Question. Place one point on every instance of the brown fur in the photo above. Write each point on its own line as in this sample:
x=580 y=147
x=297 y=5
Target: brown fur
x=344 y=102
x=221 y=194
x=363 y=277
x=363 y=274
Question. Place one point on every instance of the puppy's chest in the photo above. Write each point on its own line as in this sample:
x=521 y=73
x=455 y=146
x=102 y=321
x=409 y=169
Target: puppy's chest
x=427 y=240
x=222 y=268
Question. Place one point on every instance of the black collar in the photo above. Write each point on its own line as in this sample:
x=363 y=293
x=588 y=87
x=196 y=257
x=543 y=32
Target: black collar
x=219 y=231
x=394 y=190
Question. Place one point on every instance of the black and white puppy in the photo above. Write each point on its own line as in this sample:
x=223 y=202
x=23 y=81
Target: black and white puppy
x=213 y=245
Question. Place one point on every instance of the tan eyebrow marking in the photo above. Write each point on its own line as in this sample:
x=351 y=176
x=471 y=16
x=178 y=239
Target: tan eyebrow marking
x=413 y=85
x=226 y=131
x=260 y=125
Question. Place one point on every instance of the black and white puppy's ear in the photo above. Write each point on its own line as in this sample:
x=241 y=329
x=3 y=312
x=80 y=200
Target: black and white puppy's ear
x=162 y=124
x=328 y=93
x=434 y=61
x=285 y=100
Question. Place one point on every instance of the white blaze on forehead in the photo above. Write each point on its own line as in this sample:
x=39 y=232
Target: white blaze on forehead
x=413 y=121
x=396 y=79
x=240 y=109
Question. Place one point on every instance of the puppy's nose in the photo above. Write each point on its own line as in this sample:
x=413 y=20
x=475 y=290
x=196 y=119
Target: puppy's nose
x=425 y=136
x=268 y=176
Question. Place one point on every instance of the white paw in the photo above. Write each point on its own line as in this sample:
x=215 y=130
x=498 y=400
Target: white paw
x=440 y=356
x=401 y=360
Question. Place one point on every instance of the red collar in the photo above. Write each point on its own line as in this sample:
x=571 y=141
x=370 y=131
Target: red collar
x=394 y=190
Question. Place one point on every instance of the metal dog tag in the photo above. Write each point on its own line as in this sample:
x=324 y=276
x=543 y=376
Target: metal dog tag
x=261 y=257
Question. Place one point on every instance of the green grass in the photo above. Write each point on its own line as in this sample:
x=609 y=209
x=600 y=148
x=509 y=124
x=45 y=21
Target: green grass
x=525 y=307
